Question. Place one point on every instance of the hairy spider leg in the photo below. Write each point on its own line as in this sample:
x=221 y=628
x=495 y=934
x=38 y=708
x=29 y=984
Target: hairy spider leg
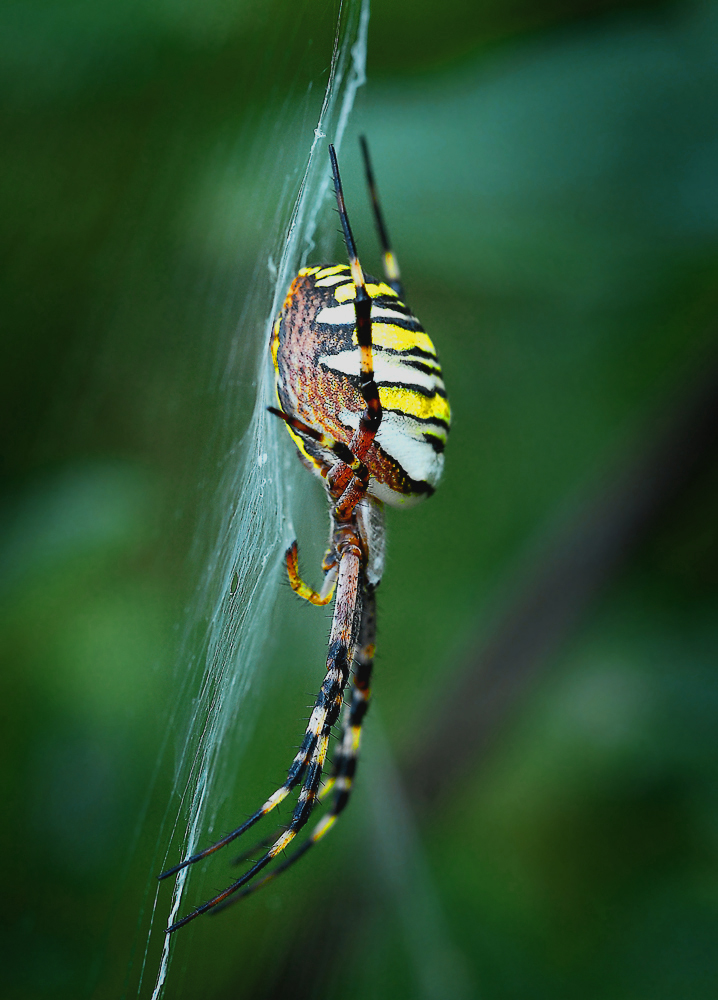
x=248 y=854
x=325 y=714
x=371 y=417
x=346 y=758
x=295 y=773
x=341 y=450
x=303 y=590
x=347 y=479
x=306 y=748
x=391 y=267
x=345 y=761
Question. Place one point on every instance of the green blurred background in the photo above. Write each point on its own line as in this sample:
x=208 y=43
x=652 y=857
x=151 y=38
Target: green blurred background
x=549 y=176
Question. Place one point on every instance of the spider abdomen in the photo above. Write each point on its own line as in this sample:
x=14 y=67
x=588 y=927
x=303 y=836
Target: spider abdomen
x=315 y=354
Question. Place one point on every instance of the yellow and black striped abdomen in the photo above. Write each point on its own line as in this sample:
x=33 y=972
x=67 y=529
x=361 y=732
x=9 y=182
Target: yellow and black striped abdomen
x=316 y=360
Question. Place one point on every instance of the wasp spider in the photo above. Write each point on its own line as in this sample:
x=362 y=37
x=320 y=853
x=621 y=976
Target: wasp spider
x=359 y=387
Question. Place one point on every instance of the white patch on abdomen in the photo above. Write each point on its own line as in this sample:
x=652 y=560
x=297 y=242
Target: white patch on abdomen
x=345 y=314
x=389 y=369
x=402 y=438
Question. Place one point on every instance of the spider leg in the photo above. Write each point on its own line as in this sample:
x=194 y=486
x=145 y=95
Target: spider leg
x=343 y=452
x=303 y=590
x=299 y=818
x=256 y=886
x=346 y=757
x=260 y=845
x=348 y=478
x=371 y=417
x=345 y=761
x=307 y=746
x=295 y=773
x=324 y=715
x=391 y=268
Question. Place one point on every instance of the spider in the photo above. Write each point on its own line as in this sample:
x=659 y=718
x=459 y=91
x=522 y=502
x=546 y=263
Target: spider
x=360 y=390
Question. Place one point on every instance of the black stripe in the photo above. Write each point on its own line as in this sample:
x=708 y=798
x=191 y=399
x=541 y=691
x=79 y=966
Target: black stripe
x=404 y=351
x=436 y=443
x=314 y=773
x=340 y=802
x=338 y=657
x=409 y=386
x=384 y=302
x=416 y=486
x=358 y=712
x=350 y=768
x=409 y=323
x=420 y=487
x=412 y=387
x=420 y=420
x=419 y=366
x=302 y=812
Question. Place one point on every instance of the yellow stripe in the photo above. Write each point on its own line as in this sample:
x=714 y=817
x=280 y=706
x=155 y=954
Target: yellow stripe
x=300 y=445
x=274 y=800
x=324 y=827
x=326 y=271
x=333 y=279
x=345 y=293
x=323 y=747
x=327 y=789
x=389 y=335
x=392 y=268
x=413 y=404
x=275 y=347
x=286 y=839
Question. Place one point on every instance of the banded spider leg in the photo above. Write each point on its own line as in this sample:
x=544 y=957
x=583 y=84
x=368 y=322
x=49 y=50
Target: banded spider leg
x=346 y=481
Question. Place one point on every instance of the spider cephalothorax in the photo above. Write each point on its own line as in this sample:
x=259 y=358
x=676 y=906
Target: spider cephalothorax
x=360 y=389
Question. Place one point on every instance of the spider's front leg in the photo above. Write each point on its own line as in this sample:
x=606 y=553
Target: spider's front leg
x=324 y=715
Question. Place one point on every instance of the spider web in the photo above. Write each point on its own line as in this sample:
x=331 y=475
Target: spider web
x=251 y=522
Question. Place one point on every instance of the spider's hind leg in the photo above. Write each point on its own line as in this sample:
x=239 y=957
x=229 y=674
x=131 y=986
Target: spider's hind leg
x=346 y=758
x=325 y=713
